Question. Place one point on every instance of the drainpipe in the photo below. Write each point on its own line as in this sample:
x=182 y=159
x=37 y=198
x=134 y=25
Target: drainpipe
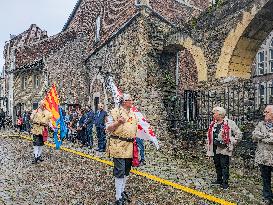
x=177 y=72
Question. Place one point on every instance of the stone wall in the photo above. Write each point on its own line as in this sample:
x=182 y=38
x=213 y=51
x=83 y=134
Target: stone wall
x=114 y=13
x=188 y=75
x=174 y=11
x=228 y=37
x=66 y=69
x=133 y=62
x=25 y=97
x=202 y=4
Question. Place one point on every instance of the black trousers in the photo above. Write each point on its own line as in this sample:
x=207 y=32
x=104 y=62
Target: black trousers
x=266 y=176
x=38 y=140
x=82 y=136
x=221 y=163
x=101 y=138
x=122 y=167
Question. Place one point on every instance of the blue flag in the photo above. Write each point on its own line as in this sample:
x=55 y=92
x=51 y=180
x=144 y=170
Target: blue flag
x=61 y=130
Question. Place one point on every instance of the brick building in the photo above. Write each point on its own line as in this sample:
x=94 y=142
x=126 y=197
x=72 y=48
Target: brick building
x=152 y=49
x=122 y=40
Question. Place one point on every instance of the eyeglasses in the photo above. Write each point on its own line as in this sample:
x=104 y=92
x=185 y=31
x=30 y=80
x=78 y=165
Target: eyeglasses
x=127 y=100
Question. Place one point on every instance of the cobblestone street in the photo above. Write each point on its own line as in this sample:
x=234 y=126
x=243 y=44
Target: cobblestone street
x=186 y=86
x=64 y=178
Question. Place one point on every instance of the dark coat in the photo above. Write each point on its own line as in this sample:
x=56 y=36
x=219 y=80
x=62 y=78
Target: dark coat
x=89 y=119
x=81 y=121
x=100 y=118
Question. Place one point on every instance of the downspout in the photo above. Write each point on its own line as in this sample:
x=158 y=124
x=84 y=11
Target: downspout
x=177 y=73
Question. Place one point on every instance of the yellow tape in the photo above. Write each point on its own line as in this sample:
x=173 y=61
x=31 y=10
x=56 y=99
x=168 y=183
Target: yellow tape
x=147 y=175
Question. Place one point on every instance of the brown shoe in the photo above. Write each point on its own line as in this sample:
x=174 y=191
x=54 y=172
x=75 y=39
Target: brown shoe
x=125 y=197
x=35 y=161
x=40 y=159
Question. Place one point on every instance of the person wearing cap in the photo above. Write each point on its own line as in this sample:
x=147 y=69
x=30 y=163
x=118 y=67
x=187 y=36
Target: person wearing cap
x=223 y=135
x=40 y=119
x=263 y=135
x=100 y=118
x=122 y=126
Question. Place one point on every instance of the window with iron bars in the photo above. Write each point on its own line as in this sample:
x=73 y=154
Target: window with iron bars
x=190 y=105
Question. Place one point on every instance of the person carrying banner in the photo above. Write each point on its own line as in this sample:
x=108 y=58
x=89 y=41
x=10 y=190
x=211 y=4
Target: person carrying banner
x=122 y=126
x=40 y=119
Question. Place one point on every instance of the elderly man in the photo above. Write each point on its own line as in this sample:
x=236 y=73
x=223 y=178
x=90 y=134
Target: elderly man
x=40 y=119
x=88 y=124
x=122 y=125
x=263 y=134
x=223 y=134
x=100 y=118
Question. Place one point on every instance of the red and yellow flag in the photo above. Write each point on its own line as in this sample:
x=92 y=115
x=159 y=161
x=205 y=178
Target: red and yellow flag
x=52 y=104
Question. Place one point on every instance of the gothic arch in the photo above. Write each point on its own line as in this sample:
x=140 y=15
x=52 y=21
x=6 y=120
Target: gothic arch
x=181 y=42
x=98 y=89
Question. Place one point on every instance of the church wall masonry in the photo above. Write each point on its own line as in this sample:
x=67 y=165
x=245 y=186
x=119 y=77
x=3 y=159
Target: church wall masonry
x=135 y=60
x=129 y=60
x=67 y=70
x=224 y=39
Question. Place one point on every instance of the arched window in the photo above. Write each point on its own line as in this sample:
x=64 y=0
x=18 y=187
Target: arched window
x=98 y=28
x=36 y=81
x=24 y=82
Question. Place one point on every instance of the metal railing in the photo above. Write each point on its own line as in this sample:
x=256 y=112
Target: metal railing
x=194 y=108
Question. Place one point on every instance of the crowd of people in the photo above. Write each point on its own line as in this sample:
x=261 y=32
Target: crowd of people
x=5 y=121
x=222 y=137
x=23 y=122
x=80 y=125
x=121 y=124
